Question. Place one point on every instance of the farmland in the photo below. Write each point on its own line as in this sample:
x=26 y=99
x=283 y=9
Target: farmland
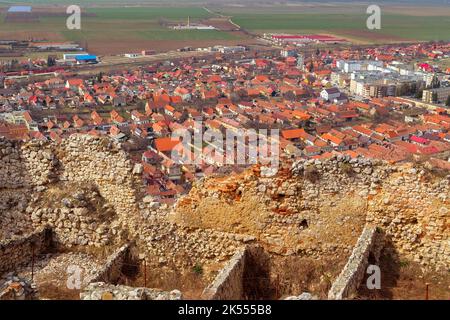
x=395 y=27
x=107 y=28
x=118 y=30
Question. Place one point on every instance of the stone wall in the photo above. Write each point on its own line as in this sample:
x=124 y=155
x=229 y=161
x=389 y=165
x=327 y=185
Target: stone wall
x=347 y=283
x=111 y=270
x=408 y=202
x=413 y=208
x=18 y=252
x=86 y=159
x=229 y=283
x=25 y=165
x=83 y=188
x=88 y=190
x=317 y=208
x=13 y=221
x=77 y=213
x=167 y=243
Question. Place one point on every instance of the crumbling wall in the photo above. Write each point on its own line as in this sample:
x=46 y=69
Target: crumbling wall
x=228 y=284
x=18 y=252
x=111 y=270
x=167 y=243
x=413 y=209
x=25 y=165
x=348 y=281
x=287 y=214
x=244 y=276
x=13 y=220
x=87 y=189
x=77 y=213
x=37 y=173
x=87 y=159
x=409 y=204
x=317 y=208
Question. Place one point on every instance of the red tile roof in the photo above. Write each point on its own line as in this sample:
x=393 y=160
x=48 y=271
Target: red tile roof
x=166 y=144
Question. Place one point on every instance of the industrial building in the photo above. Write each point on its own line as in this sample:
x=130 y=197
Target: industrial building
x=86 y=59
x=80 y=58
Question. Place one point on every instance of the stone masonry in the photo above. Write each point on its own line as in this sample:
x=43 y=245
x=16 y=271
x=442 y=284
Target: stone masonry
x=348 y=281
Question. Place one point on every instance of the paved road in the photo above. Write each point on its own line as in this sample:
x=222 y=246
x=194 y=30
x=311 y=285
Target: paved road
x=117 y=62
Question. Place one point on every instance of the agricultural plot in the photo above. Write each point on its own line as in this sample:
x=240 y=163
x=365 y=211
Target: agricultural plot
x=111 y=30
x=395 y=27
x=119 y=30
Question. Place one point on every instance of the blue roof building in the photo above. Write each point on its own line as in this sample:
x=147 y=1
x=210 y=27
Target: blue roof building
x=86 y=58
x=83 y=57
x=20 y=9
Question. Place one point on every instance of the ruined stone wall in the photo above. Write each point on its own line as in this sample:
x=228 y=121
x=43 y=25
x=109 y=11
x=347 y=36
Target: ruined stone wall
x=414 y=211
x=88 y=191
x=229 y=283
x=27 y=165
x=82 y=188
x=13 y=221
x=23 y=169
x=111 y=270
x=86 y=159
x=318 y=208
x=409 y=204
x=167 y=243
x=77 y=212
x=17 y=252
x=350 y=278
x=287 y=214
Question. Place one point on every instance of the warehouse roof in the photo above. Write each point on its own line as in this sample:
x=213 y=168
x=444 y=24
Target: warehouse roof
x=19 y=9
x=85 y=57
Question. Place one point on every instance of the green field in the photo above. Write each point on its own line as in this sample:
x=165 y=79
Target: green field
x=139 y=27
x=148 y=13
x=116 y=29
x=395 y=27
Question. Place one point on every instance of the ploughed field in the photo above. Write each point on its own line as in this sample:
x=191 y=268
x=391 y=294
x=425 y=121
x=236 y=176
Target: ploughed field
x=111 y=30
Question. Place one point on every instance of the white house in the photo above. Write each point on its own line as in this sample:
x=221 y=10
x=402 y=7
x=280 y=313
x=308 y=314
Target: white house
x=330 y=94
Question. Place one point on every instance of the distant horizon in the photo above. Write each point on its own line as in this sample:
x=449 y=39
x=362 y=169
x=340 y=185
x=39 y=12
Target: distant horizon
x=220 y=2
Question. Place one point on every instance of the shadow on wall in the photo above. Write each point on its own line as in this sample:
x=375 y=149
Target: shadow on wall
x=22 y=251
x=390 y=264
x=257 y=284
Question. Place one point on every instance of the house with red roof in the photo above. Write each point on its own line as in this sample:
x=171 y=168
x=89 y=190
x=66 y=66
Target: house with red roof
x=293 y=134
x=419 y=140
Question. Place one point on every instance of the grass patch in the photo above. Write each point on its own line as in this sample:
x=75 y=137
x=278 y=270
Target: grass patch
x=393 y=25
x=347 y=168
x=312 y=174
x=197 y=269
